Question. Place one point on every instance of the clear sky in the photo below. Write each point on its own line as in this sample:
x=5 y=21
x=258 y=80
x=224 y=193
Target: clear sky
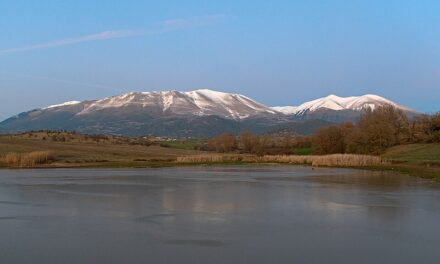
x=277 y=52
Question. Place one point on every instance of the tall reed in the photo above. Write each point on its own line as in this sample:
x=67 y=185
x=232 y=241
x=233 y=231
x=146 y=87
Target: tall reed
x=31 y=159
x=348 y=160
x=208 y=158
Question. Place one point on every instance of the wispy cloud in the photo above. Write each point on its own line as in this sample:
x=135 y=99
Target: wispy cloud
x=162 y=27
x=70 y=41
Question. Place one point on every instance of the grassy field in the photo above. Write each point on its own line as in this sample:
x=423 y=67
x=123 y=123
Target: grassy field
x=75 y=150
x=302 y=151
x=422 y=154
x=189 y=144
x=421 y=160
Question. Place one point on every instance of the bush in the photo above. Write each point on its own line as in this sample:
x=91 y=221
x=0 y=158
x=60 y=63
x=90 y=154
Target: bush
x=328 y=140
x=223 y=143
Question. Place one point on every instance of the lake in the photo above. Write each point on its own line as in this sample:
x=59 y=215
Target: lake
x=229 y=214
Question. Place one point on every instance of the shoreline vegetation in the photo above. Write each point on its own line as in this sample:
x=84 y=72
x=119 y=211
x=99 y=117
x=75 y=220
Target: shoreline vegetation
x=333 y=160
x=383 y=139
x=27 y=160
x=30 y=150
x=39 y=160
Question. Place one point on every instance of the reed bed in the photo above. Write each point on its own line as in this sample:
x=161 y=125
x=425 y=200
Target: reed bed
x=334 y=160
x=349 y=160
x=293 y=159
x=210 y=158
x=31 y=159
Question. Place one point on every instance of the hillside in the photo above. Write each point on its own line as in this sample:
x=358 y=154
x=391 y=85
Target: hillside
x=76 y=150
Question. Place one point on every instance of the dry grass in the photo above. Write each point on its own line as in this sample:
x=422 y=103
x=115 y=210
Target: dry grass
x=346 y=160
x=350 y=160
x=88 y=153
x=22 y=151
x=210 y=158
x=31 y=159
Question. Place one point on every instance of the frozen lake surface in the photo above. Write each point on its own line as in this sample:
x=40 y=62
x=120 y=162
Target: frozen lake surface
x=231 y=214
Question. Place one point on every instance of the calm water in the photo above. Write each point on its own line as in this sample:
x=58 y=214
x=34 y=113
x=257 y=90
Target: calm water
x=274 y=214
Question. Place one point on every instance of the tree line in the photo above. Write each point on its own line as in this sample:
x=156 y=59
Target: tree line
x=375 y=131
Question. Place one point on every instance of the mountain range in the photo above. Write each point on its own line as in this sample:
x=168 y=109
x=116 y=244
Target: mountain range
x=199 y=113
x=339 y=109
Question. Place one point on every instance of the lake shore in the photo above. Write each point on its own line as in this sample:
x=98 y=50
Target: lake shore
x=79 y=151
x=426 y=172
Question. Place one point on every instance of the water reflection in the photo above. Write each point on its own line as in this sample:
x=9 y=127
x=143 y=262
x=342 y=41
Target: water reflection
x=203 y=199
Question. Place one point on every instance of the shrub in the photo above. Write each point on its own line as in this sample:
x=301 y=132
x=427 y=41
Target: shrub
x=223 y=143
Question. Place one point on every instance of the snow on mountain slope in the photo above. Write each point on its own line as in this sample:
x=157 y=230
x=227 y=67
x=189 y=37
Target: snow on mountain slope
x=287 y=110
x=199 y=103
x=63 y=104
x=236 y=106
x=334 y=102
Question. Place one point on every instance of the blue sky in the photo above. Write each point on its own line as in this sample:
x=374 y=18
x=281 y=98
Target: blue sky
x=277 y=52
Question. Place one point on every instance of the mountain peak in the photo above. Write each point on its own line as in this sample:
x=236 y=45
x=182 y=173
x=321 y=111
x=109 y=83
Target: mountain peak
x=332 y=96
x=334 y=102
x=206 y=90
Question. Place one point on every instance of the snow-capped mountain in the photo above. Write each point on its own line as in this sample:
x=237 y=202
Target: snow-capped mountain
x=200 y=113
x=336 y=103
x=337 y=109
x=196 y=113
x=201 y=102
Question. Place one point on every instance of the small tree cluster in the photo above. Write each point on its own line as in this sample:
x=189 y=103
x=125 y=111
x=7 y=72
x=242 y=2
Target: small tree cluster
x=377 y=130
x=223 y=143
x=426 y=129
x=331 y=139
x=248 y=142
